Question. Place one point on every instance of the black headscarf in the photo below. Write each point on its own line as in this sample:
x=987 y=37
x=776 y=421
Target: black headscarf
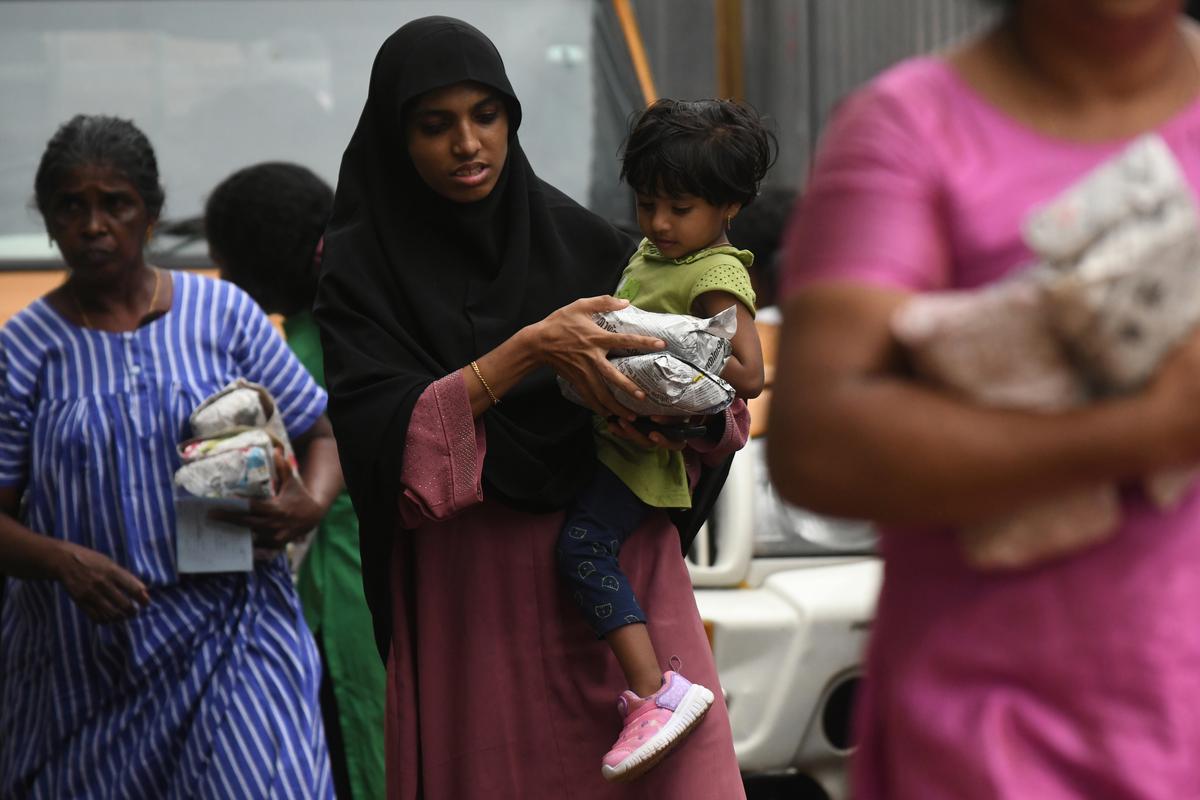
x=414 y=286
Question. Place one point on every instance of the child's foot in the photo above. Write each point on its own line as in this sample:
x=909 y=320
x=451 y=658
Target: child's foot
x=653 y=725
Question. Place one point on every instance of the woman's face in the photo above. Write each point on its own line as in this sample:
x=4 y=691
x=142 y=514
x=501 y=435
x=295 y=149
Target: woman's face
x=99 y=221
x=458 y=140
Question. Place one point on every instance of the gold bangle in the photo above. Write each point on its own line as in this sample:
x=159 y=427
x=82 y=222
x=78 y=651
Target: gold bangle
x=488 y=389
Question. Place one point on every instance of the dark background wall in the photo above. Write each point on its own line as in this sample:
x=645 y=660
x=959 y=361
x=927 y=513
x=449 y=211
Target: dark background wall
x=800 y=58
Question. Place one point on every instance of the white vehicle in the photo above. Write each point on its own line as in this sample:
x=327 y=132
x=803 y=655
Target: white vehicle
x=787 y=598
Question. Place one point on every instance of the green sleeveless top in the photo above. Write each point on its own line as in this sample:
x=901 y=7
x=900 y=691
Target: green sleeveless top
x=653 y=282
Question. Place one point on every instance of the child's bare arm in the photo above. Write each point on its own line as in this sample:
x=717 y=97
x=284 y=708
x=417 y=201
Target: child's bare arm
x=744 y=370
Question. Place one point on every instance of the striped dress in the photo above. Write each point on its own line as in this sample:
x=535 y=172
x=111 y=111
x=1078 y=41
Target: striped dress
x=210 y=691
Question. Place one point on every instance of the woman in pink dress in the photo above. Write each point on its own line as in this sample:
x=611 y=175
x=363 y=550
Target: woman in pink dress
x=447 y=303
x=1077 y=677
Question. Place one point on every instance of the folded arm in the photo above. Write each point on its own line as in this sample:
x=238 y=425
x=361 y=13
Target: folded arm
x=851 y=435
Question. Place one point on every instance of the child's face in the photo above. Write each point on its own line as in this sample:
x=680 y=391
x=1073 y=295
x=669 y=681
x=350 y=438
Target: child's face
x=682 y=224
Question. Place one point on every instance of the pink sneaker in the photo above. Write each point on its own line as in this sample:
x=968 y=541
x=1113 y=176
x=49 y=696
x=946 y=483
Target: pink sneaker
x=653 y=725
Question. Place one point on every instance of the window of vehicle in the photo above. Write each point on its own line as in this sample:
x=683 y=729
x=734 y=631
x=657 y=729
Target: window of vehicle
x=783 y=529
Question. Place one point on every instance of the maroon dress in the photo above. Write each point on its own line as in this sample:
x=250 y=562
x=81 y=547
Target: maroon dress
x=497 y=688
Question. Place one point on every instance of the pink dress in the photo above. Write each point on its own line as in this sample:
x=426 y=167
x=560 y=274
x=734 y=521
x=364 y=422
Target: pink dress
x=497 y=688
x=1076 y=679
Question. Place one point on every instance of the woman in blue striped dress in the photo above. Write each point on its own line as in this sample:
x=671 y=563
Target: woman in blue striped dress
x=120 y=677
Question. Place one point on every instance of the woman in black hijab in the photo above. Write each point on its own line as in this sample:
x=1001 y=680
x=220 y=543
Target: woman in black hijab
x=447 y=302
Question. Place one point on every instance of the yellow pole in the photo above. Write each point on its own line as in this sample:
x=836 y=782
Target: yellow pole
x=730 y=70
x=637 y=50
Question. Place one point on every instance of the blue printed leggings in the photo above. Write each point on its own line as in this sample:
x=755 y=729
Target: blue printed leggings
x=605 y=513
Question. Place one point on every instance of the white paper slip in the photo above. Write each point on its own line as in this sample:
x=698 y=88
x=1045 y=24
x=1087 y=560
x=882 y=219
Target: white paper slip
x=209 y=545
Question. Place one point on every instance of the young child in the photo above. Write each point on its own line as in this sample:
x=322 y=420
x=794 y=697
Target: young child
x=693 y=166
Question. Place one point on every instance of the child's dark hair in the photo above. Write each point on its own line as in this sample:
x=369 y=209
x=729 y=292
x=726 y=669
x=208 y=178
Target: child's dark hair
x=263 y=224
x=95 y=139
x=715 y=149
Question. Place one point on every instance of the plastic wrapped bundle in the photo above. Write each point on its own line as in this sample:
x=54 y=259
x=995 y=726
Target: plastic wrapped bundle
x=237 y=431
x=673 y=387
x=1125 y=246
x=684 y=379
x=1114 y=292
x=1121 y=326
x=1125 y=249
x=704 y=343
x=240 y=465
x=1133 y=186
x=996 y=347
x=238 y=406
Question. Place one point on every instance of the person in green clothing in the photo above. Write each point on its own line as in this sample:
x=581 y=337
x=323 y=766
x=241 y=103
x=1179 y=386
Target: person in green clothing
x=693 y=166
x=264 y=226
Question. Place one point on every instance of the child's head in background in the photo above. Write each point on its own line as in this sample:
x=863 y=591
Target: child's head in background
x=693 y=166
x=263 y=225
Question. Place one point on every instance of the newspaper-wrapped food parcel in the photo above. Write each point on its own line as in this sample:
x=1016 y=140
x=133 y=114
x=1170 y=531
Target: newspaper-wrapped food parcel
x=684 y=379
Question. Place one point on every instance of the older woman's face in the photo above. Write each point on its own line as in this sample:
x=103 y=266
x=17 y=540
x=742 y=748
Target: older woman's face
x=99 y=221
x=458 y=140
